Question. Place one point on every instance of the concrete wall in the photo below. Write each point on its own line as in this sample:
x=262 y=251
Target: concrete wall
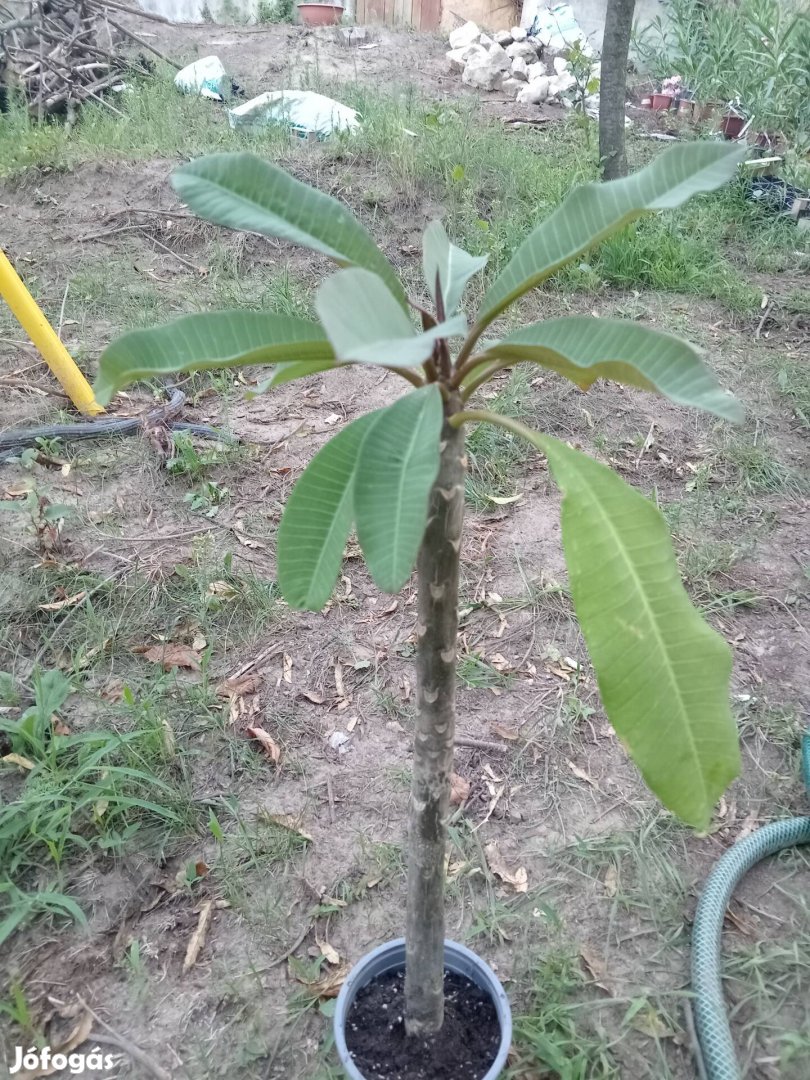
x=500 y=15
x=591 y=16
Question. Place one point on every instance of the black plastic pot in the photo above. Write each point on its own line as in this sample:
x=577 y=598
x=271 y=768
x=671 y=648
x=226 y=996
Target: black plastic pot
x=391 y=957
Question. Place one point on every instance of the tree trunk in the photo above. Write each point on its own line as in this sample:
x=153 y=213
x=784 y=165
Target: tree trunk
x=436 y=634
x=613 y=87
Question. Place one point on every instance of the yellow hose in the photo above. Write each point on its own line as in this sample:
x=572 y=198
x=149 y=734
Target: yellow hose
x=42 y=334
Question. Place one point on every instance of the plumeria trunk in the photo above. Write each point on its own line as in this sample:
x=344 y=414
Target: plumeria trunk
x=436 y=633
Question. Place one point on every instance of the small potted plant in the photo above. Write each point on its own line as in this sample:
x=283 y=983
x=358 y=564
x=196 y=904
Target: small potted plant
x=424 y=1006
x=665 y=98
x=732 y=121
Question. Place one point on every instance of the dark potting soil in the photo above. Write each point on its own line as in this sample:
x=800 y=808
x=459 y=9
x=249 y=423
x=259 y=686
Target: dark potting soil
x=464 y=1049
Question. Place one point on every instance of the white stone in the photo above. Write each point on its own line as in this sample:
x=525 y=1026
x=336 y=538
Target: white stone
x=535 y=93
x=560 y=65
x=486 y=71
x=534 y=71
x=498 y=55
x=559 y=84
x=520 y=69
x=518 y=33
x=504 y=38
x=523 y=50
x=468 y=34
x=486 y=41
x=457 y=58
x=512 y=86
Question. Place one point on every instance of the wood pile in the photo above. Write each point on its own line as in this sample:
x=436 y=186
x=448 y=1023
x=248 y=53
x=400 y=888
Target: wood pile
x=61 y=53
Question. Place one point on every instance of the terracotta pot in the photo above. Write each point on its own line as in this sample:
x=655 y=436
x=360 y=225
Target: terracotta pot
x=662 y=102
x=731 y=125
x=320 y=14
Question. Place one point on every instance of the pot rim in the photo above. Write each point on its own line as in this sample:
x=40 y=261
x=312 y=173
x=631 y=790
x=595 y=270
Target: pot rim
x=390 y=956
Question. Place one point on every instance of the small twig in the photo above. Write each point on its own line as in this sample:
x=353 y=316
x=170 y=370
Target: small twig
x=106 y=104
x=144 y=44
x=180 y=258
x=23 y=384
x=135 y=1052
x=480 y=744
x=299 y=941
x=267 y=652
x=108 y=232
x=62 y=310
x=331 y=796
x=765 y=315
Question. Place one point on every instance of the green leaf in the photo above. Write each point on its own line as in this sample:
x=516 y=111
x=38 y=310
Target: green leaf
x=243 y=192
x=594 y=211
x=398 y=462
x=452 y=265
x=366 y=325
x=584 y=349
x=663 y=673
x=213 y=339
x=317 y=519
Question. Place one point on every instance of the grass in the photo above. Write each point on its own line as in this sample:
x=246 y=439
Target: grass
x=495 y=457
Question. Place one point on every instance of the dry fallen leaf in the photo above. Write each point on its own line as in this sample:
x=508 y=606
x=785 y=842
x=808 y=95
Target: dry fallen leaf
x=596 y=967
x=246 y=541
x=222 y=589
x=269 y=744
x=651 y=1023
x=328 y=952
x=287 y=821
x=79 y=1035
x=197 y=939
x=518 y=879
x=69 y=601
x=505 y=732
x=459 y=789
x=582 y=775
x=58 y=727
x=18 y=759
x=248 y=684
x=329 y=984
x=312 y=695
x=171 y=656
x=611 y=881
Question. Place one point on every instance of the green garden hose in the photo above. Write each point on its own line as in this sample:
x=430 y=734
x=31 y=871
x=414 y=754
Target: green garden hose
x=711 y=1019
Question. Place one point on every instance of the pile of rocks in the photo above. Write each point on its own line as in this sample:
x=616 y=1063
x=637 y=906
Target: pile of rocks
x=509 y=61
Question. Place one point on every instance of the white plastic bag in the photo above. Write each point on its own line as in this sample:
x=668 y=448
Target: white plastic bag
x=303 y=111
x=203 y=77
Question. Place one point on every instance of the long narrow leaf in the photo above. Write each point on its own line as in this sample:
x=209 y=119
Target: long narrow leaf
x=663 y=672
x=209 y=340
x=317 y=519
x=398 y=462
x=594 y=211
x=243 y=192
x=584 y=349
x=365 y=324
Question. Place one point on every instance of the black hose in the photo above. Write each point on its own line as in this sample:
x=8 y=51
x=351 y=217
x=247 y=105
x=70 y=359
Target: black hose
x=12 y=442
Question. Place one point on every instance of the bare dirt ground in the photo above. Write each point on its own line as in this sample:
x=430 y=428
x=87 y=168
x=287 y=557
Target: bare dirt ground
x=597 y=948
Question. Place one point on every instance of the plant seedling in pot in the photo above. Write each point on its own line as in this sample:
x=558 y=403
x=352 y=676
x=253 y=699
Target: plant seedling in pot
x=396 y=476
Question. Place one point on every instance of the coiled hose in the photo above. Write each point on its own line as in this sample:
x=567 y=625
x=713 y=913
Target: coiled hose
x=711 y=1019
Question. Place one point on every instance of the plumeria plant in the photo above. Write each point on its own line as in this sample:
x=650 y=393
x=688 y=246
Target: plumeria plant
x=396 y=475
